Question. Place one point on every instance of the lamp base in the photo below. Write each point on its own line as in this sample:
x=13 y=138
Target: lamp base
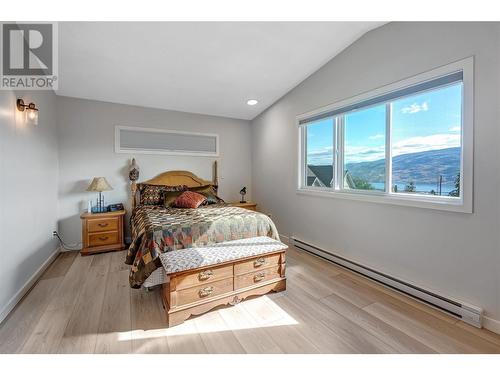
x=98 y=210
x=100 y=207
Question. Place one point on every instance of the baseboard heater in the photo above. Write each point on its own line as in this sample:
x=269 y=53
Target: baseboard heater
x=468 y=313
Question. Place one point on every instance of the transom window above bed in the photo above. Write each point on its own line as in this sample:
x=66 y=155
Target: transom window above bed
x=408 y=143
x=140 y=140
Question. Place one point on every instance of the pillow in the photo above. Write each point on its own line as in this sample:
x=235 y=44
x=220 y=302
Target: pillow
x=189 y=199
x=212 y=199
x=152 y=195
x=209 y=192
x=169 y=197
x=205 y=189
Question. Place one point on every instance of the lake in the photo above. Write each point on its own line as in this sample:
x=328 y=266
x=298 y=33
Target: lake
x=420 y=188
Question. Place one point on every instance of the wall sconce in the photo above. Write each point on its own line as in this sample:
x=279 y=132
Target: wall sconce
x=30 y=110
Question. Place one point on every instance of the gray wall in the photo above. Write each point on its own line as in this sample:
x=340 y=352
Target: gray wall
x=455 y=254
x=28 y=191
x=86 y=149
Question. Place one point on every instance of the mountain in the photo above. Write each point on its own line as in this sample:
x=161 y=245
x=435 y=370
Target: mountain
x=422 y=167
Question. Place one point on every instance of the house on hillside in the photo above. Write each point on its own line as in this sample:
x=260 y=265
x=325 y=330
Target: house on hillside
x=322 y=176
x=319 y=175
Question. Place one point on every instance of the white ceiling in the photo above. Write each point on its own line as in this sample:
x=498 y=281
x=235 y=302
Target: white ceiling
x=210 y=68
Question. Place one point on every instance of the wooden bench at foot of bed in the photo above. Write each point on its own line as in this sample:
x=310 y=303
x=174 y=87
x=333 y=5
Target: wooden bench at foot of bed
x=197 y=290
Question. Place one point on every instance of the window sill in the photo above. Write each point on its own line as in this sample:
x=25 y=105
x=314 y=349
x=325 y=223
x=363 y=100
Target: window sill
x=442 y=204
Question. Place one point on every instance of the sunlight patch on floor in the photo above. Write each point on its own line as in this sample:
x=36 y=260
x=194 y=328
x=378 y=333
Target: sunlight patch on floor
x=258 y=313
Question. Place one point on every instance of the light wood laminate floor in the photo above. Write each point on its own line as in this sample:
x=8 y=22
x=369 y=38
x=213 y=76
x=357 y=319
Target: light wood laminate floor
x=84 y=305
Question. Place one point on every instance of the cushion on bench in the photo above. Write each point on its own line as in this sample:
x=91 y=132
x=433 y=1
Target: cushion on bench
x=195 y=257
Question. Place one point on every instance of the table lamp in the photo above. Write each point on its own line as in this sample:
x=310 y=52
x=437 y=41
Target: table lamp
x=99 y=184
x=243 y=192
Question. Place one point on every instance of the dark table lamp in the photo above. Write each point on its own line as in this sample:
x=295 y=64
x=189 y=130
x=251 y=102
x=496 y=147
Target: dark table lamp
x=243 y=192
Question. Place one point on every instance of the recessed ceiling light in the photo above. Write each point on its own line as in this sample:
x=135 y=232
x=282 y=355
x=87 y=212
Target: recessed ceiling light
x=252 y=102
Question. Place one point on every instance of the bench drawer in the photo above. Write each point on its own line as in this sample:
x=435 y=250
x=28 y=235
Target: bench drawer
x=102 y=225
x=252 y=278
x=104 y=238
x=202 y=277
x=264 y=261
x=201 y=292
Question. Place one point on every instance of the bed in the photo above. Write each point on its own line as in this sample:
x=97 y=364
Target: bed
x=156 y=229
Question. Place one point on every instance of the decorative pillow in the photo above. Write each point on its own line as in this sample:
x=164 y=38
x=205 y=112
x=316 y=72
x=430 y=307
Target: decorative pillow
x=212 y=199
x=152 y=195
x=189 y=199
x=209 y=192
x=169 y=197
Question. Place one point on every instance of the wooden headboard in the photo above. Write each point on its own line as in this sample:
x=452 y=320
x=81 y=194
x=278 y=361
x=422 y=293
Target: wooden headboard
x=174 y=178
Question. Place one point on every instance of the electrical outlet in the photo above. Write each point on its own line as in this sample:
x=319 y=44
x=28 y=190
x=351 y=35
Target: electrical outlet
x=54 y=233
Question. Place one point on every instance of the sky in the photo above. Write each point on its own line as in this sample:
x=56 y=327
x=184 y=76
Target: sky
x=428 y=121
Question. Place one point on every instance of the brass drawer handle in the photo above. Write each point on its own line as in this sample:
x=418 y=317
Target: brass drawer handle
x=103 y=238
x=204 y=292
x=102 y=225
x=259 y=262
x=205 y=275
x=259 y=276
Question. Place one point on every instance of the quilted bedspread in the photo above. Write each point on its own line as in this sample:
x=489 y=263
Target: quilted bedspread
x=156 y=230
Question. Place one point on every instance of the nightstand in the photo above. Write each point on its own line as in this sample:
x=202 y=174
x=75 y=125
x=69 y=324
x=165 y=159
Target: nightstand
x=248 y=205
x=102 y=232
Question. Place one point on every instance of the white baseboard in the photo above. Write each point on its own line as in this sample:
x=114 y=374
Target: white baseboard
x=285 y=239
x=491 y=324
x=77 y=246
x=487 y=323
x=64 y=250
x=27 y=286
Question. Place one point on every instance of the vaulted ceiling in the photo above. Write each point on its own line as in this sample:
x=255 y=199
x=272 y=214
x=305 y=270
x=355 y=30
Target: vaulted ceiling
x=202 y=67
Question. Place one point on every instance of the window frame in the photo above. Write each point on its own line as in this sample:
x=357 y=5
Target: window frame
x=464 y=203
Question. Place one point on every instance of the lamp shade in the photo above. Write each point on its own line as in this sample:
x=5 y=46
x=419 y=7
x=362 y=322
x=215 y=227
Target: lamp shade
x=99 y=184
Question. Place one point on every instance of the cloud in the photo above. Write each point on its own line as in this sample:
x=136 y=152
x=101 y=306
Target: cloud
x=415 y=108
x=320 y=156
x=455 y=129
x=376 y=136
x=321 y=151
x=357 y=154
x=426 y=143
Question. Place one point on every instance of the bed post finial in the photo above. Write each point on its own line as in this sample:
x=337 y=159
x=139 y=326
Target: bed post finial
x=133 y=175
x=216 y=178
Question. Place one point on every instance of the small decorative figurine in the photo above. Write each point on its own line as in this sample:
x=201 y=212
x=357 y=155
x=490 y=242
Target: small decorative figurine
x=243 y=192
x=133 y=173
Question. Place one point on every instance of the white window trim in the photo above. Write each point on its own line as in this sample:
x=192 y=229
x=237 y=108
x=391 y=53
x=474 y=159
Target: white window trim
x=462 y=204
x=120 y=150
